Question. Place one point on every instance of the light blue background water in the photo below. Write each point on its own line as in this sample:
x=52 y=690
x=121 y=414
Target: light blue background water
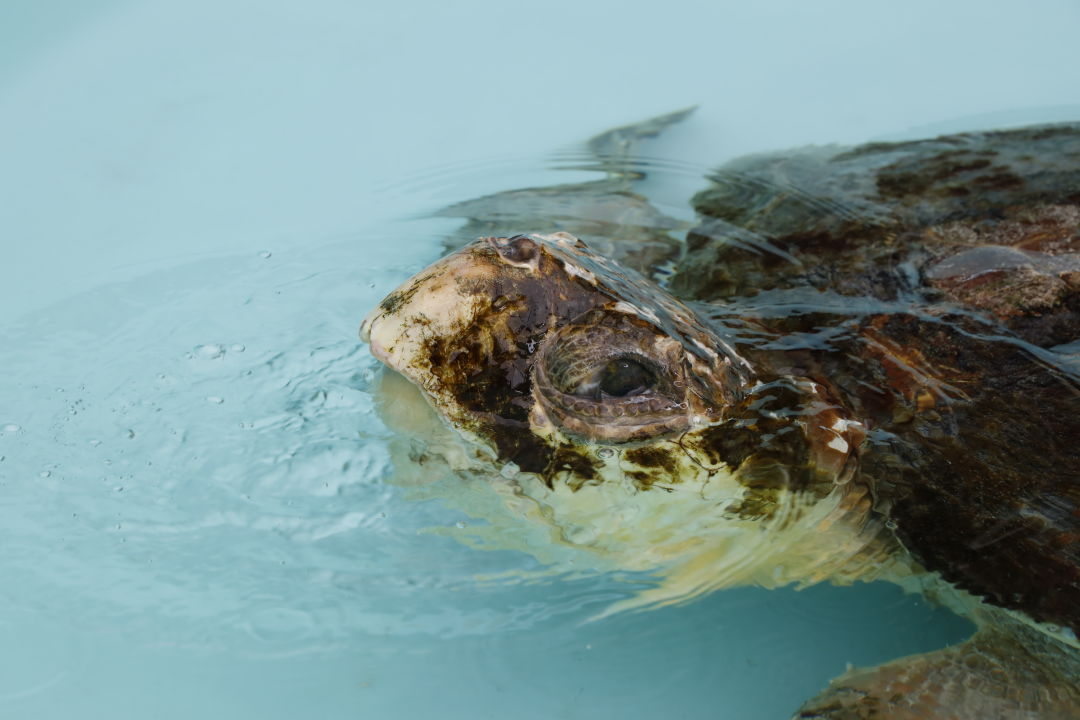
x=199 y=202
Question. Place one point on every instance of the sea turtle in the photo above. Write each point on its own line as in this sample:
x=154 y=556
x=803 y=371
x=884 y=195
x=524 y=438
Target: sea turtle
x=855 y=365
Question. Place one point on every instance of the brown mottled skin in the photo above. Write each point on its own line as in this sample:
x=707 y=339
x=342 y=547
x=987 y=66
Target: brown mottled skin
x=974 y=446
x=904 y=220
x=928 y=291
x=973 y=449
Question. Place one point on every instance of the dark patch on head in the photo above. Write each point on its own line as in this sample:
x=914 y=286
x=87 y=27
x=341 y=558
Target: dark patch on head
x=493 y=384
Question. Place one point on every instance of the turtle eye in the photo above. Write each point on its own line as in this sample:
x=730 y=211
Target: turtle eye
x=616 y=382
x=623 y=377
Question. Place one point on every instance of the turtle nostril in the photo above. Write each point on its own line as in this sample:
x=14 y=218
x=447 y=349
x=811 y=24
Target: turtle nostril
x=516 y=250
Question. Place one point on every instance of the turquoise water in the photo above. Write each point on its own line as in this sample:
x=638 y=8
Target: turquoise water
x=201 y=201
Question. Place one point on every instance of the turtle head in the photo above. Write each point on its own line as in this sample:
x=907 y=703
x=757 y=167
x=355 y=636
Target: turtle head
x=532 y=343
x=639 y=428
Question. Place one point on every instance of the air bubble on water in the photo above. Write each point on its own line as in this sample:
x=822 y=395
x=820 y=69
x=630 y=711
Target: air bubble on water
x=461 y=524
x=214 y=399
x=12 y=428
x=95 y=443
x=44 y=474
x=891 y=524
x=605 y=452
x=237 y=348
x=265 y=254
x=210 y=351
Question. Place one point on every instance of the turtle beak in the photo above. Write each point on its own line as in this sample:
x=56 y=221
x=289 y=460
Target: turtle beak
x=370 y=334
x=430 y=304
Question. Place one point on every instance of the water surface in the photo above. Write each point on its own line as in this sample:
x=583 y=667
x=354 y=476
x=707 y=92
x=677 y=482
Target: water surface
x=202 y=201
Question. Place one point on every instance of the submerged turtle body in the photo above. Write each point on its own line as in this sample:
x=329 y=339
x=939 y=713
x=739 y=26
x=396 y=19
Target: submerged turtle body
x=974 y=243
x=862 y=352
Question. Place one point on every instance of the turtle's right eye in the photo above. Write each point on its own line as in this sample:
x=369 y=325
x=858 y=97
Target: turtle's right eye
x=611 y=382
x=623 y=376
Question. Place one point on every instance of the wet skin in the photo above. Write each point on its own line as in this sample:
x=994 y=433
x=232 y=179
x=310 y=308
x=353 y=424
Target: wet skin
x=866 y=380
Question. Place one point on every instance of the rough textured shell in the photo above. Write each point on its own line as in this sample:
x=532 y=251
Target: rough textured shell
x=967 y=252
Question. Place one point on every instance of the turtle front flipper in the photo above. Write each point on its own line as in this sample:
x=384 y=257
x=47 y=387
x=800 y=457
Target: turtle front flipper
x=615 y=149
x=1005 y=673
x=607 y=213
